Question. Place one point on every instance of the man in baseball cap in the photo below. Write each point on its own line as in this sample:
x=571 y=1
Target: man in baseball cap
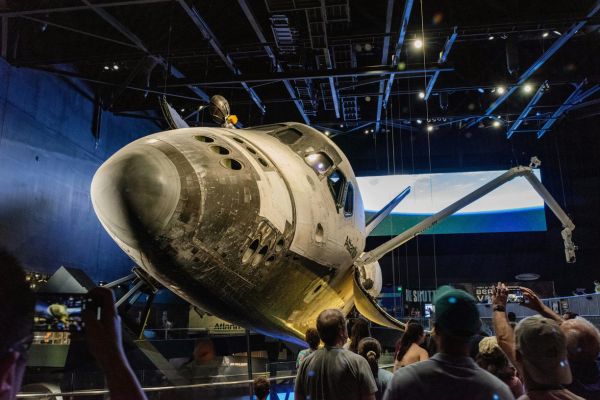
x=541 y=354
x=451 y=373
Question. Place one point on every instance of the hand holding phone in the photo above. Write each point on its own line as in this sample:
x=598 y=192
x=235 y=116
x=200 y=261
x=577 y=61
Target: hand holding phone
x=59 y=312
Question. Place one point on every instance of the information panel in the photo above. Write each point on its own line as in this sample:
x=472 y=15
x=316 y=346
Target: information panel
x=513 y=207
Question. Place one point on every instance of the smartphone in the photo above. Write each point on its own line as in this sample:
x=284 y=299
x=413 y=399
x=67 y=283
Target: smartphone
x=515 y=294
x=60 y=312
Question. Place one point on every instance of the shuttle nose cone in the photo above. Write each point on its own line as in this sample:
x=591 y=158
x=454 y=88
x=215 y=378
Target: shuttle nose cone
x=135 y=193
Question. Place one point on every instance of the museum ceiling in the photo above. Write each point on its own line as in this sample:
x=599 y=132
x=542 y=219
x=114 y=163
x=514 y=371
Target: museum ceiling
x=346 y=67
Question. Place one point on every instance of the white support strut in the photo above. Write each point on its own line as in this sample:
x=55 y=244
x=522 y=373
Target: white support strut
x=527 y=172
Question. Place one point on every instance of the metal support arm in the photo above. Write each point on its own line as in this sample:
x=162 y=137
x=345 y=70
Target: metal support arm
x=378 y=252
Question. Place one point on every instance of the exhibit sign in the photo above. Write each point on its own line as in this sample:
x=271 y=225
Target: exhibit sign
x=513 y=207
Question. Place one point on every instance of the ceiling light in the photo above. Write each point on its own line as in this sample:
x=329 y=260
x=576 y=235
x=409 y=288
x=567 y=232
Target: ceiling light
x=419 y=121
x=429 y=128
x=491 y=37
x=527 y=88
x=556 y=33
x=372 y=130
x=182 y=110
x=368 y=47
x=421 y=95
x=418 y=43
x=366 y=131
x=106 y=67
x=368 y=99
x=496 y=124
x=480 y=90
x=500 y=90
x=341 y=125
x=545 y=34
x=116 y=67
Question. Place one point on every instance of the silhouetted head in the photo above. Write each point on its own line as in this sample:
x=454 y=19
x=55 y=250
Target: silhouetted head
x=16 y=323
x=261 y=388
x=312 y=338
x=331 y=325
x=360 y=330
x=583 y=340
x=370 y=349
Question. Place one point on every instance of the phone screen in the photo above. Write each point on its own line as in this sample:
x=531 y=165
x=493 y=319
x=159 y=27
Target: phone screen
x=58 y=312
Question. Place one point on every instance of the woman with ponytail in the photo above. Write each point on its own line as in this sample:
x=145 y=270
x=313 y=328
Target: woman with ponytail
x=408 y=349
x=370 y=349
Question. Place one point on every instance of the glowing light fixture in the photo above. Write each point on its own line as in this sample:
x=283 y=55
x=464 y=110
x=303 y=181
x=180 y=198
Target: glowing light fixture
x=419 y=121
x=115 y=67
x=418 y=43
x=327 y=133
x=545 y=34
x=500 y=90
x=496 y=124
x=527 y=88
x=491 y=37
x=429 y=128
x=421 y=95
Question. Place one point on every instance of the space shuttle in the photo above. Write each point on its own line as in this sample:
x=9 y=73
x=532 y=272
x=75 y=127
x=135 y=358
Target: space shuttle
x=263 y=226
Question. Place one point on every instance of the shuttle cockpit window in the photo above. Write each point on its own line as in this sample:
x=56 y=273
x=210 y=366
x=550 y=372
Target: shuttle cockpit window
x=349 y=202
x=288 y=136
x=319 y=162
x=337 y=181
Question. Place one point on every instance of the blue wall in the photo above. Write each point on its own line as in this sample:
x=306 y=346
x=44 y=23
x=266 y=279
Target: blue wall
x=48 y=156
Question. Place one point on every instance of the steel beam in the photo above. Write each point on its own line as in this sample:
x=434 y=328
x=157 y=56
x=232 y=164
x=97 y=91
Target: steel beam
x=4 y=37
x=441 y=60
x=334 y=97
x=534 y=100
x=384 y=59
x=560 y=111
x=261 y=37
x=405 y=17
x=558 y=43
x=322 y=74
x=208 y=34
x=138 y=42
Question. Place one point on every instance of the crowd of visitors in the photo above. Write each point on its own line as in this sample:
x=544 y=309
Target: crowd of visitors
x=544 y=356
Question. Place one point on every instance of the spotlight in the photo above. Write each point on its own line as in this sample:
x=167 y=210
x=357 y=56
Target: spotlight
x=115 y=67
x=527 y=88
x=106 y=67
x=545 y=34
x=421 y=95
x=368 y=99
x=418 y=43
x=368 y=47
x=366 y=131
x=429 y=128
x=480 y=90
x=182 y=110
x=372 y=131
x=491 y=37
x=341 y=125
x=496 y=124
x=419 y=121
x=557 y=33
x=327 y=133
x=500 y=90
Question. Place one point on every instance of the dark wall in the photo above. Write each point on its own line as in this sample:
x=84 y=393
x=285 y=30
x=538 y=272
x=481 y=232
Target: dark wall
x=570 y=165
x=48 y=156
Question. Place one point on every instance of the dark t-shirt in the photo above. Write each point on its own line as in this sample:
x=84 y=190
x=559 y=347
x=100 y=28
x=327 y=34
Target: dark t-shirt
x=332 y=373
x=586 y=380
x=444 y=377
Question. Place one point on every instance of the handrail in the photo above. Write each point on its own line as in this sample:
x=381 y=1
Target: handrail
x=95 y=392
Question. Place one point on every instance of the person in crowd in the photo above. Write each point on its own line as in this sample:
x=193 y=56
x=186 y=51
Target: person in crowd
x=583 y=350
x=409 y=346
x=359 y=331
x=370 y=349
x=103 y=335
x=492 y=359
x=512 y=319
x=569 y=315
x=583 y=346
x=261 y=388
x=312 y=338
x=332 y=372
x=451 y=373
x=537 y=347
x=430 y=343
x=478 y=337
